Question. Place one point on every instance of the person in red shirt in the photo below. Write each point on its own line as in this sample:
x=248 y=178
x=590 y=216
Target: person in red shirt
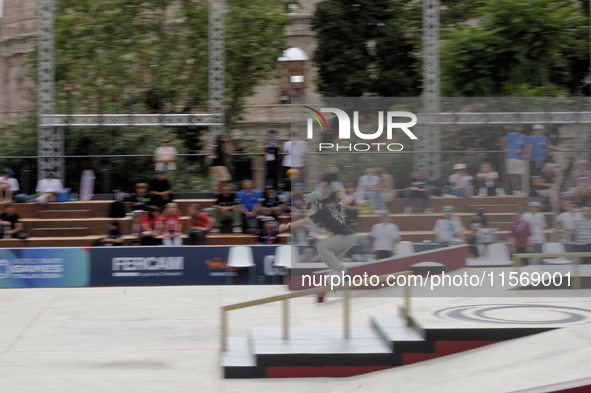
x=170 y=220
x=150 y=228
x=199 y=225
x=520 y=232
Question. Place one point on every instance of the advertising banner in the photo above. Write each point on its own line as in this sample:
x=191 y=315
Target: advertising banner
x=185 y=265
x=44 y=267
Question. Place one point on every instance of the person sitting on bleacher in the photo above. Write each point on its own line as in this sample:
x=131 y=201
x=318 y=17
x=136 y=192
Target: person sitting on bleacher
x=460 y=181
x=418 y=187
x=141 y=200
x=269 y=232
x=11 y=226
x=272 y=205
x=199 y=225
x=249 y=202
x=161 y=190
x=150 y=228
x=449 y=228
x=47 y=189
x=172 y=228
x=546 y=185
x=226 y=209
x=8 y=185
x=488 y=181
x=113 y=236
x=537 y=224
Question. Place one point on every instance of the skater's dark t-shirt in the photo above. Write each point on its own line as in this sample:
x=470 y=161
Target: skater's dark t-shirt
x=330 y=216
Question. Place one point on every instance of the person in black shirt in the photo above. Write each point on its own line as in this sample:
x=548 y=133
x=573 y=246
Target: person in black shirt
x=272 y=205
x=546 y=186
x=329 y=215
x=141 y=200
x=9 y=219
x=161 y=190
x=418 y=187
x=269 y=233
x=272 y=149
x=227 y=209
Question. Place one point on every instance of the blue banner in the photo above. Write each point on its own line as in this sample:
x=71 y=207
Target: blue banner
x=44 y=267
x=183 y=265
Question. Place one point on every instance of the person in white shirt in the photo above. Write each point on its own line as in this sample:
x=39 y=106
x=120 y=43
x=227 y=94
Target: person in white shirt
x=460 y=181
x=8 y=185
x=165 y=156
x=537 y=224
x=369 y=186
x=295 y=153
x=488 y=181
x=47 y=189
x=566 y=222
x=449 y=228
x=385 y=235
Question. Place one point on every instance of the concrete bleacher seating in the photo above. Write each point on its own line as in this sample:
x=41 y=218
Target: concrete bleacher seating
x=80 y=224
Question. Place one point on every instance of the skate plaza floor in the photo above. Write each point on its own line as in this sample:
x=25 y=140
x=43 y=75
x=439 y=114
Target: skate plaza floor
x=167 y=339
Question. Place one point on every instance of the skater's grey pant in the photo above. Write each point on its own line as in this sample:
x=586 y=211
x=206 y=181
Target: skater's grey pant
x=332 y=250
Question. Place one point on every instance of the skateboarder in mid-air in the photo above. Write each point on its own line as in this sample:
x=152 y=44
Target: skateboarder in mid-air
x=328 y=213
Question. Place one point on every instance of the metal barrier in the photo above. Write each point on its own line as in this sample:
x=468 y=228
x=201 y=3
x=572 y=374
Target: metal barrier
x=575 y=255
x=285 y=310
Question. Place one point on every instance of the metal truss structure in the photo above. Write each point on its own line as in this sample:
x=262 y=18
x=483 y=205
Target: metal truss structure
x=117 y=120
x=50 y=140
x=429 y=139
x=50 y=125
x=217 y=62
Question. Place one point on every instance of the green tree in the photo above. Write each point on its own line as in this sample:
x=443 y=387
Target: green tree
x=531 y=45
x=363 y=48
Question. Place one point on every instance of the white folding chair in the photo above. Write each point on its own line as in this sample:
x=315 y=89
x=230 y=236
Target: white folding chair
x=555 y=248
x=404 y=249
x=286 y=256
x=497 y=254
x=240 y=257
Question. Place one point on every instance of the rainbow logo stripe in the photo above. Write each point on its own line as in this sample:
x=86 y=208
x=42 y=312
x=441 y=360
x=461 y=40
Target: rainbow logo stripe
x=316 y=117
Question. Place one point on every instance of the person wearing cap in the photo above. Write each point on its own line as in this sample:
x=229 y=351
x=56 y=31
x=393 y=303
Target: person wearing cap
x=165 y=156
x=329 y=215
x=583 y=233
x=160 y=189
x=8 y=185
x=535 y=149
x=47 y=189
x=449 y=228
x=292 y=177
x=537 y=224
x=460 y=181
x=514 y=145
x=218 y=167
x=519 y=232
x=272 y=205
x=385 y=235
x=581 y=177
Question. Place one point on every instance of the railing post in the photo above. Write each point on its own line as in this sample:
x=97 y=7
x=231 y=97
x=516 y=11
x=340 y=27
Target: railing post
x=576 y=274
x=224 y=328
x=407 y=300
x=285 y=319
x=346 y=313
